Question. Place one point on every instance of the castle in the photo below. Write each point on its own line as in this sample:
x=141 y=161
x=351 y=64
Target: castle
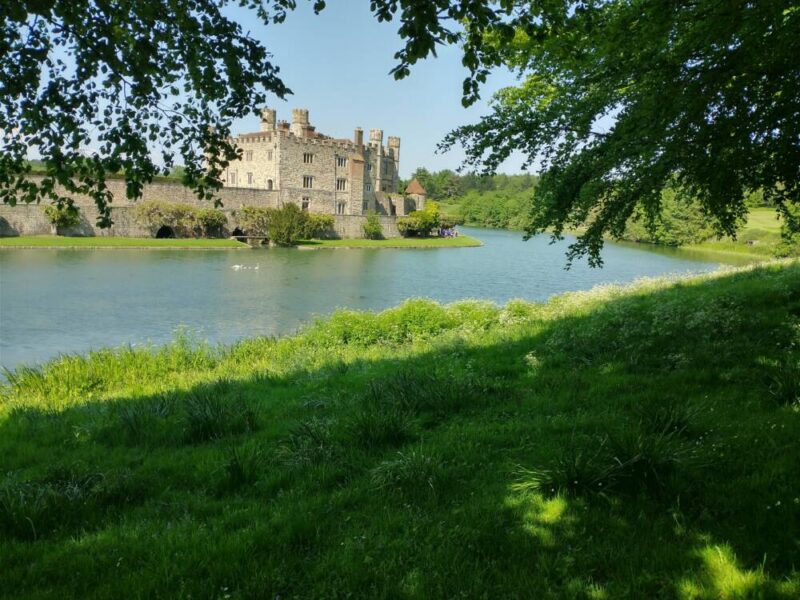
x=320 y=173
x=282 y=163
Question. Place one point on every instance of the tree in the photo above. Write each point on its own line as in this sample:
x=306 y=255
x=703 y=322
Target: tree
x=372 y=227
x=123 y=77
x=420 y=223
x=619 y=100
x=287 y=224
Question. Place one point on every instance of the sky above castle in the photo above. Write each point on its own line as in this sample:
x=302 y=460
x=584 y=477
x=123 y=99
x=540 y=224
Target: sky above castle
x=337 y=64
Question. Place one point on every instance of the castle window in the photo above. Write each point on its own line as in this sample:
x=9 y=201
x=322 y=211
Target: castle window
x=340 y=206
x=306 y=202
x=308 y=181
x=369 y=166
x=249 y=179
x=341 y=161
x=248 y=155
x=269 y=184
x=368 y=187
x=341 y=185
x=232 y=177
x=365 y=206
x=308 y=158
x=269 y=154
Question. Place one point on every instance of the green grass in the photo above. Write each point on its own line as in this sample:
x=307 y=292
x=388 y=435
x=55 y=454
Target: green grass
x=56 y=241
x=621 y=443
x=462 y=241
x=758 y=238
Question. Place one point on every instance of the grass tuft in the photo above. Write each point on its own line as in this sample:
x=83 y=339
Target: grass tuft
x=411 y=474
x=209 y=416
x=783 y=381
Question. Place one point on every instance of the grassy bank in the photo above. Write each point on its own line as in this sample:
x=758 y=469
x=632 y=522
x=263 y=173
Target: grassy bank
x=758 y=239
x=462 y=241
x=57 y=241
x=625 y=442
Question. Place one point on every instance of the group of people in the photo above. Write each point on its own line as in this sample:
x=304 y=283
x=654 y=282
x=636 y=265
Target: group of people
x=448 y=232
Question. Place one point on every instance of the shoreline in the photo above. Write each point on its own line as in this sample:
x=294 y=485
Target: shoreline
x=68 y=243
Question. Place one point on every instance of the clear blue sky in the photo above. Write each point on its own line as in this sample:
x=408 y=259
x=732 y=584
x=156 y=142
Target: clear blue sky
x=337 y=64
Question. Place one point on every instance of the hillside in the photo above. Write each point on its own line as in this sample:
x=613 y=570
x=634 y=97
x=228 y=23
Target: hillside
x=625 y=442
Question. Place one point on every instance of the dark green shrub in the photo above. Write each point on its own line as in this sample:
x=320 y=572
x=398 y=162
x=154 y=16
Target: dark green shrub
x=790 y=232
x=680 y=222
x=287 y=224
x=318 y=225
x=420 y=223
x=212 y=221
x=372 y=227
x=254 y=220
x=63 y=215
x=184 y=219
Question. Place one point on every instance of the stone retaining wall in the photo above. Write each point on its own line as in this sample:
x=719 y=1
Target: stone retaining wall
x=29 y=219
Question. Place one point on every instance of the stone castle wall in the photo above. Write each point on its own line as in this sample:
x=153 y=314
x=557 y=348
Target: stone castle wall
x=29 y=219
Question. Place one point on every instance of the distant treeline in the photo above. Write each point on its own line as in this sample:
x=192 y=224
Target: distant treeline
x=500 y=201
x=505 y=201
x=447 y=186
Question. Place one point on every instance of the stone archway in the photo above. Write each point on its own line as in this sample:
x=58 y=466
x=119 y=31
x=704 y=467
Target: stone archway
x=164 y=232
x=238 y=234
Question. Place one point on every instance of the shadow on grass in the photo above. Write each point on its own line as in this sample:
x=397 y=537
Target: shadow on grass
x=632 y=448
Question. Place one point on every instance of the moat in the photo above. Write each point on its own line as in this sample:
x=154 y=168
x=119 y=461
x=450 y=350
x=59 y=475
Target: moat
x=67 y=301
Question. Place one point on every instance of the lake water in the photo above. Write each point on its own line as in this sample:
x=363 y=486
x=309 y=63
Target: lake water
x=66 y=301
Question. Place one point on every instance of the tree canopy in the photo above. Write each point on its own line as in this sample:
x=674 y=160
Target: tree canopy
x=128 y=78
x=616 y=100
x=619 y=99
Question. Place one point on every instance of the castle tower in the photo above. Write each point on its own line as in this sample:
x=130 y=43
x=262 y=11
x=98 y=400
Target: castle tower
x=394 y=150
x=300 y=121
x=358 y=136
x=376 y=142
x=268 y=116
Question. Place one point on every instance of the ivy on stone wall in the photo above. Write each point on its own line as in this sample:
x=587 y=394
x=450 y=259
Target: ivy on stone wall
x=185 y=220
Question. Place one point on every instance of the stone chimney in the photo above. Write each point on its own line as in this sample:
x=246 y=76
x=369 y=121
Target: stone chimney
x=358 y=136
x=268 y=116
x=376 y=137
x=299 y=121
x=394 y=148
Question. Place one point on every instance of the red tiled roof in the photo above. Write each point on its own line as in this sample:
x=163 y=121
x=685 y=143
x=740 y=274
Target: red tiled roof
x=415 y=187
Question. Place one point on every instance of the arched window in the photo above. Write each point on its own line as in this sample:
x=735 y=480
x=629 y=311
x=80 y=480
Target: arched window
x=269 y=184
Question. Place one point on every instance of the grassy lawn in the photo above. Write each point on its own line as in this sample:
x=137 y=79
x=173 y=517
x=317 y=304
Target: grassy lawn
x=462 y=241
x=758 y=238
x=56 y=241
x=621 y=443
